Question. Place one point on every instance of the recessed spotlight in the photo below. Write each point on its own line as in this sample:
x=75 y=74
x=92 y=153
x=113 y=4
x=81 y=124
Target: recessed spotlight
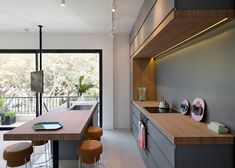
x=62 y=3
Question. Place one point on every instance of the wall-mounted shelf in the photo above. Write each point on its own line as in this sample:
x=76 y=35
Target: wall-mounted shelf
x=143 y=75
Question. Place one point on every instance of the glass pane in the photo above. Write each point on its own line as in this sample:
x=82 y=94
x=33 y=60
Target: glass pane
x=16 y=100
x=62 y=72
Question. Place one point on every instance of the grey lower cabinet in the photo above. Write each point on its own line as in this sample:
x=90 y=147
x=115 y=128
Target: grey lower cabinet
x=162 y=150
x=135 y=117
x=148 y=155
x=161 y=153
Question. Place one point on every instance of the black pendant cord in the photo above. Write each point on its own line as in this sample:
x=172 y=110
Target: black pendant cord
x=40 y=65
x=37 y=102
x=40 y=47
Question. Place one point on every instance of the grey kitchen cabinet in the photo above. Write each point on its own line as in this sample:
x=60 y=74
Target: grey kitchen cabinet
x=163 y=153
x=135 y=111
x=135 y=117
x=157 y=154
x=168 y=155
x=151 y=162
x=159 y=145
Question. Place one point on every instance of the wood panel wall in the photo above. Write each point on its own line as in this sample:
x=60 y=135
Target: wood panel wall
x=143 y=75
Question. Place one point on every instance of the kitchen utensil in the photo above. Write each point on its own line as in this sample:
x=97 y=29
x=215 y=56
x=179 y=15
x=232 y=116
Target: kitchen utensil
x=164 y=104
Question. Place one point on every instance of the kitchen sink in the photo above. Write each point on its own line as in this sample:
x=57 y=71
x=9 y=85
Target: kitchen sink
x=81 y=107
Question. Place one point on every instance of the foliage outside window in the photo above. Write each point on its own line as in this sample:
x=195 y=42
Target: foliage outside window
x=61 y=71
x=82 y=87
x=1 y=101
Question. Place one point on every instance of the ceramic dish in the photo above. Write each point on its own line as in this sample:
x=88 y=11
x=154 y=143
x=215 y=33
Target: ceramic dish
x=198 y=109
x=184 y=107
x=44 y=126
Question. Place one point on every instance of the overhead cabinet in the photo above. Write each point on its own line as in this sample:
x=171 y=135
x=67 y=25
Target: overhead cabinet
x=169 y=23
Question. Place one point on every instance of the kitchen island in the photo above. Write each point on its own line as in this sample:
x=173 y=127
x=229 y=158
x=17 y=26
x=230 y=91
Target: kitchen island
x=74 y=120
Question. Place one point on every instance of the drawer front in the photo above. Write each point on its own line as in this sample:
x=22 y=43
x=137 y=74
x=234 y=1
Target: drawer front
x=136 y=111
x=134 y=131
x=144 y=154
x=165 y=146
x=134 y=120
x=157 y=155
x=151 y=162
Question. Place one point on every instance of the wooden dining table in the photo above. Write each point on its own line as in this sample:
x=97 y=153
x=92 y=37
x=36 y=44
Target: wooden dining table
x=74 y=124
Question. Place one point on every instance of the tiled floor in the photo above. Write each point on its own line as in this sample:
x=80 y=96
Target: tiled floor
x=120 y=151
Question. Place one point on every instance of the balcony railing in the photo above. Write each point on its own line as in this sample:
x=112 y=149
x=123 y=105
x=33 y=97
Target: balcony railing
x=27 y=105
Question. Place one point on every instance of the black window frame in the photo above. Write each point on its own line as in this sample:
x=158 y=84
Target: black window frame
x=38 y=66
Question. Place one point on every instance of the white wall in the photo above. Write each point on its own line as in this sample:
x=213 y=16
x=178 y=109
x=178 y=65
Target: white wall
x=121 y=82
x=73 y=41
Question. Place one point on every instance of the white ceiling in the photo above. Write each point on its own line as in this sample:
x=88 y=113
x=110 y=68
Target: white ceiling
x=79 y=16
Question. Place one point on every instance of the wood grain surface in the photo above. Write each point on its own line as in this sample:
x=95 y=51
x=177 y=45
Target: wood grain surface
x=182 y=129
x=74 y=124
x=177 y=27
x=144 y=76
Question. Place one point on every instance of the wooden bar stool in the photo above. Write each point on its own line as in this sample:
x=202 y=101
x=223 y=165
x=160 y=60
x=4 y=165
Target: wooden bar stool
x=89 y=153
x=46 y=153
x=18 y=154
x=94 y=133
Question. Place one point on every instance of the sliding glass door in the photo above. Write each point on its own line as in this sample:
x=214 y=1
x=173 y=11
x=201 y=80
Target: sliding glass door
x=62 y=71
x=16 y=97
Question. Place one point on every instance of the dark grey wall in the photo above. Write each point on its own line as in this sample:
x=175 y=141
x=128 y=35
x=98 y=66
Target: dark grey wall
x=206 y=69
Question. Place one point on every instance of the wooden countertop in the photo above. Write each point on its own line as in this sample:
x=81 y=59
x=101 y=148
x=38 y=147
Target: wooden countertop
x=74 y=123
x=182 y=129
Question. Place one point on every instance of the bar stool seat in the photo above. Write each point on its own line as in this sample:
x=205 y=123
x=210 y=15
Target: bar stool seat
x=18 y=154
x=39 y=143
x=90 y=151
x=94 y=133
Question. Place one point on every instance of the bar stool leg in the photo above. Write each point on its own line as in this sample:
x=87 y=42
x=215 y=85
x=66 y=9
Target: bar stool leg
x=94 y=161
x=33 y=154
x=30 y=163
x=79 y=163
x=49 y=151
x=45 y=149
x=25 y=162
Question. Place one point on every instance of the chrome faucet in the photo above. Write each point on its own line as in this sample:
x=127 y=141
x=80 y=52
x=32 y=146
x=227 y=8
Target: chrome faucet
x=68 y=100
x=68 y=103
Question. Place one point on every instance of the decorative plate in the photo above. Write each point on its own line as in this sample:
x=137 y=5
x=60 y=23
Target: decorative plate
x=198 y=109
x=184 y=106
x=45 y=126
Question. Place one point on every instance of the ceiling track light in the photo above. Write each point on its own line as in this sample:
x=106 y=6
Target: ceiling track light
x=62 y=3
x=113 y=9
x=111 y=35
x=112 y=27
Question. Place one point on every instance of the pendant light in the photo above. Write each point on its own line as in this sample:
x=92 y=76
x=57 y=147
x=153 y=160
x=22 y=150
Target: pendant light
x=62 y=3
